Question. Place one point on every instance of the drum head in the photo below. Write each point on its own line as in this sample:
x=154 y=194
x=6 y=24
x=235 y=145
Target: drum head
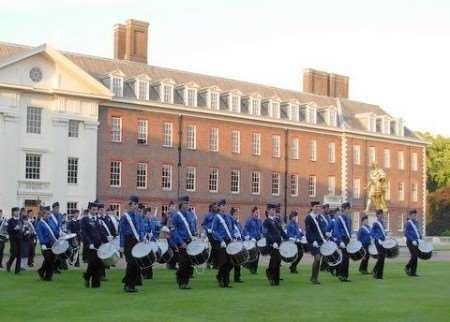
x=106 y=250
x=249 y=244
x=154 y=246
x=261 y=243
x=196 y=247
x=163 y=245
x=328 y=248
x=373 y=250
x=234 y=247
x=354 y=246
x=389 y=243
x=141 y=249
x=116 y=242
x=68 y=236
x=425 y=247
x=60 y=246
x=288 y=249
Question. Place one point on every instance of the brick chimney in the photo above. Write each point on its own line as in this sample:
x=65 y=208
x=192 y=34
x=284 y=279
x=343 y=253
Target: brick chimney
x=131 y=41
x=326 y=84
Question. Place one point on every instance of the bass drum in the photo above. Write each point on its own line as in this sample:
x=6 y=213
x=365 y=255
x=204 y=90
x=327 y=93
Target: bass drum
x=331 y=253
x=424 y=250
x=198 y=251
x=166 y=251
x=143 y=254
x=108 y=254
x=264 y=249
x=355 y=250
x=373 y=251
x=62 y=249
x=288 y=251
x=391 y=248
x=252 y=250
x=237 y=252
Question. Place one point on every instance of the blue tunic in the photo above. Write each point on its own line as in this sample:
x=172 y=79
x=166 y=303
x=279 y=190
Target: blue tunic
x=410 y=232
x=125 y=228
x=253 y=228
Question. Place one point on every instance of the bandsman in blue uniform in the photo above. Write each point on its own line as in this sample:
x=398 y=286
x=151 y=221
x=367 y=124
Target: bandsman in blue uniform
x=296 y=235
x=183 y=232
x=342 y=233
x=238 y=235
x=274 y=233
x=131 y=230
x=379 y=235
x=413 y=236
x=253 y=230
x=57 y=220
x=207 y=228
x=365 y=237
x=15 y=232
x=315 y=230
x=171 y=211
x=151 y=233
x=222 y=231
x=47 y=237
x=327 y=216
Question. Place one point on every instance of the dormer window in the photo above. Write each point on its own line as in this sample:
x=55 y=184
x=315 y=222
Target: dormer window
x=116 y=82
x=271 y=107
x=142 y=87
x=255 y=106
x=311 y=115
x=397 y=127
x=331 y=117
x=235 y=103
x=290 y=111
x=214 y=100
x=251 y=104
x=276 y=109
x=231 y=101
x=186 y=94
x=163 y=91
x=209 y=97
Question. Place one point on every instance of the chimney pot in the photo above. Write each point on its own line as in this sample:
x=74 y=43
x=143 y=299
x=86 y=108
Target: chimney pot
x=325 y=84
x=131 y=41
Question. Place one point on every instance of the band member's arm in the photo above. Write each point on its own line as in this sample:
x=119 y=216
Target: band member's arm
x=215 y=229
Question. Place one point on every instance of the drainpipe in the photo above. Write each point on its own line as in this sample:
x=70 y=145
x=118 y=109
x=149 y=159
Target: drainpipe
x=180 y=142
x=286 y=162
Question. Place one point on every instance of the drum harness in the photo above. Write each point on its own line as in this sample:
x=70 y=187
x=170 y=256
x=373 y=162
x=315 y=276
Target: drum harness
x=415 y=228
x=49 y=229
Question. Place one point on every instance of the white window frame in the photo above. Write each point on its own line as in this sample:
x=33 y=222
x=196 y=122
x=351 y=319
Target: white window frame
x=167 y=91
x=312 y=147
x=214 y=139
x=312 y=186
x=115 y=170
x=142 y=131
x=191 y=100
x=295 y=149
x=167 y=135
x=141 y=175
x=356 y=188
x=311 y=115
x=294 y=112
x=256 y=183
x=213 y=181
x=331 y=117
x=166 y=177
x=387 y=158
x=235 y=103
x=72 y=170
x=414 y=161
x=256 y=144
x=255 y=106
x=236 y=141
x=117 y=85
x=191 y=179
x=275 y=109
x=294 y=185
x=276 y=146
x=34 y=120
x=73 y=129
x=372 y=155
x=414 y=192
x=191 y=137
x=401 y=160
x=356 y=154
x=116 y=129
x=332 y=152
x=142 y=90
x=33 y=166
x=401 y=191
x=331 y=189
x=214 y=100
x=235 y=176
x=388 y=190
x=276 y=183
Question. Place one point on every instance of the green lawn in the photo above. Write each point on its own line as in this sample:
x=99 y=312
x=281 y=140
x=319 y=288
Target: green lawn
x=396 y=298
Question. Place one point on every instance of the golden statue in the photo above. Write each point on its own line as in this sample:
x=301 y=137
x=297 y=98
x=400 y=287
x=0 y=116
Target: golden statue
x=376 y=188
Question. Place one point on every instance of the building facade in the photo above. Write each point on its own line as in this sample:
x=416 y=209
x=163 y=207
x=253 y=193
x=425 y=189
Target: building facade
x=164 y=132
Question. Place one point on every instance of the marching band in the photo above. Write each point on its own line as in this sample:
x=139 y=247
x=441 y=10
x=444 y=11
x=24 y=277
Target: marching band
x=225 y=245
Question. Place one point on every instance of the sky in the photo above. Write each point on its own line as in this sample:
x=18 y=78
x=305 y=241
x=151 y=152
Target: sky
x=396 y=53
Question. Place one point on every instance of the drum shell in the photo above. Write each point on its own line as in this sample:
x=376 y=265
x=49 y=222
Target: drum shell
x=359 y=254
x=145 y=261
x=165 y=255
x=373 y=252
x=335 y=257
x=200 y=258
x=112 y=259
x=424 y=255
x=253 y=253
x=290 y=258
x=67 y=250
x=391 y=252
x=241 y=257
x=263 y=248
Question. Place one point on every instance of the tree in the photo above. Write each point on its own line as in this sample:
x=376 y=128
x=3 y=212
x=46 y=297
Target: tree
x=439 y=212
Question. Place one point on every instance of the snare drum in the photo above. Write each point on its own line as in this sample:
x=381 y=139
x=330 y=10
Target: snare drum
x=288 y=251
x=331 y=253
x=166 y=252
x=109 y=254
x=373 y=251
x=198 y=251
x=62 y=249
x=424 y=250
x=355 y=250
x=305 y=246
x=237 y=252
x=252 y=250
x=391 y=248
x=264 y=249
x=143 y=254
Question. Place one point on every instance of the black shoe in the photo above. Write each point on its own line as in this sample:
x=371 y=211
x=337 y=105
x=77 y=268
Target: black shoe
x=364 y=272
x=139 y=283
x=130 y=289
x=238 y=280
x=228 y=286
x=41 y=274
x=281 y=279
x=253 y=272
x=315 y=282
x=294 y=271
x=414 y=275
x=272 y=282
x=57 y=271
x=344 y=279
x=8 y=268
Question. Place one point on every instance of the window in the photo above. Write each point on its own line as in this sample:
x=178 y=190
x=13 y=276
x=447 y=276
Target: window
x=414 y=193
x=166 y=177
x=34 y=118
x=414 y=166
x=213 y=179
x=167 y=94
x=74 y=127
x=142 y=131
x=332 y=185
x=235 y=107
x=143 y=90
x=214 y=139
x=235 y=178
x=332 y=118
x=116 y=129
x=372 y=155
x=275 y=184
x=256 y=107
x=115 y=178
x=117 y=86
x=191 y=137
x=401 y=191
x=388 y=190
x=192 y=97
x=313 y=150
x=115 y=207
x=164 y=209
x=256 y=182
x=276 y=110
x=72 y=170
x=332 y=152
x=356 y=188
x=356 y=155
x=214 y=103
x=311 y=115
x=71 y=206
x=294 y=185
x=401 y=160
x=387 y=158
x=167 y=135
x=190 y=178
x=275 y=146
x=295 y=147
x=312 y=186
x=256 y=143
x=236 y=141
x=33 y=166
x=141 y=176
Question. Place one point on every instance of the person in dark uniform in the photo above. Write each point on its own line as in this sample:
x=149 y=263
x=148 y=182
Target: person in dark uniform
x=238 y=235
x=58 y=218
x=253 y=230
x=295 y=234
x=171 y=211
x=47 y=237
x=207 y=224
x=325 y=215
x=222 y=231
x=32 y=249
x=274 y=234
x=108 y=229
x=15 y=232
x=28 y=241
x=84 y=248
x=73 y=227
x=315 y=229
x=183 y=231
x=342 y=233
x=151 y=234
x=364 y=236
x=94 y=236
x=379 y=235
x=413 y=236
x=3 y=236
x=131 y=229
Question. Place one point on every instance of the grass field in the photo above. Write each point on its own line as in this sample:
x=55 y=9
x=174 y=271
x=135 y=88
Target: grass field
x=396 y=298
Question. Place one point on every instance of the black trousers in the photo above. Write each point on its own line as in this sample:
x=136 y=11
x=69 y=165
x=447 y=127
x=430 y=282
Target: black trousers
x=94 y=268
x=252 y=266
x=2 y=250
x=294 y=264
x=14 y=254
x=273 y=271
x=342 y=269
x=378 y=269
x=411 y=267
x=237 y=272
x=224 y=265
x=32 y=253
x=185 y=268
x=46 y=270
x=315 y=267
x=147 y=273
x=363 y=266
x=212 y=260
x=132 y=271
x=172 y=263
